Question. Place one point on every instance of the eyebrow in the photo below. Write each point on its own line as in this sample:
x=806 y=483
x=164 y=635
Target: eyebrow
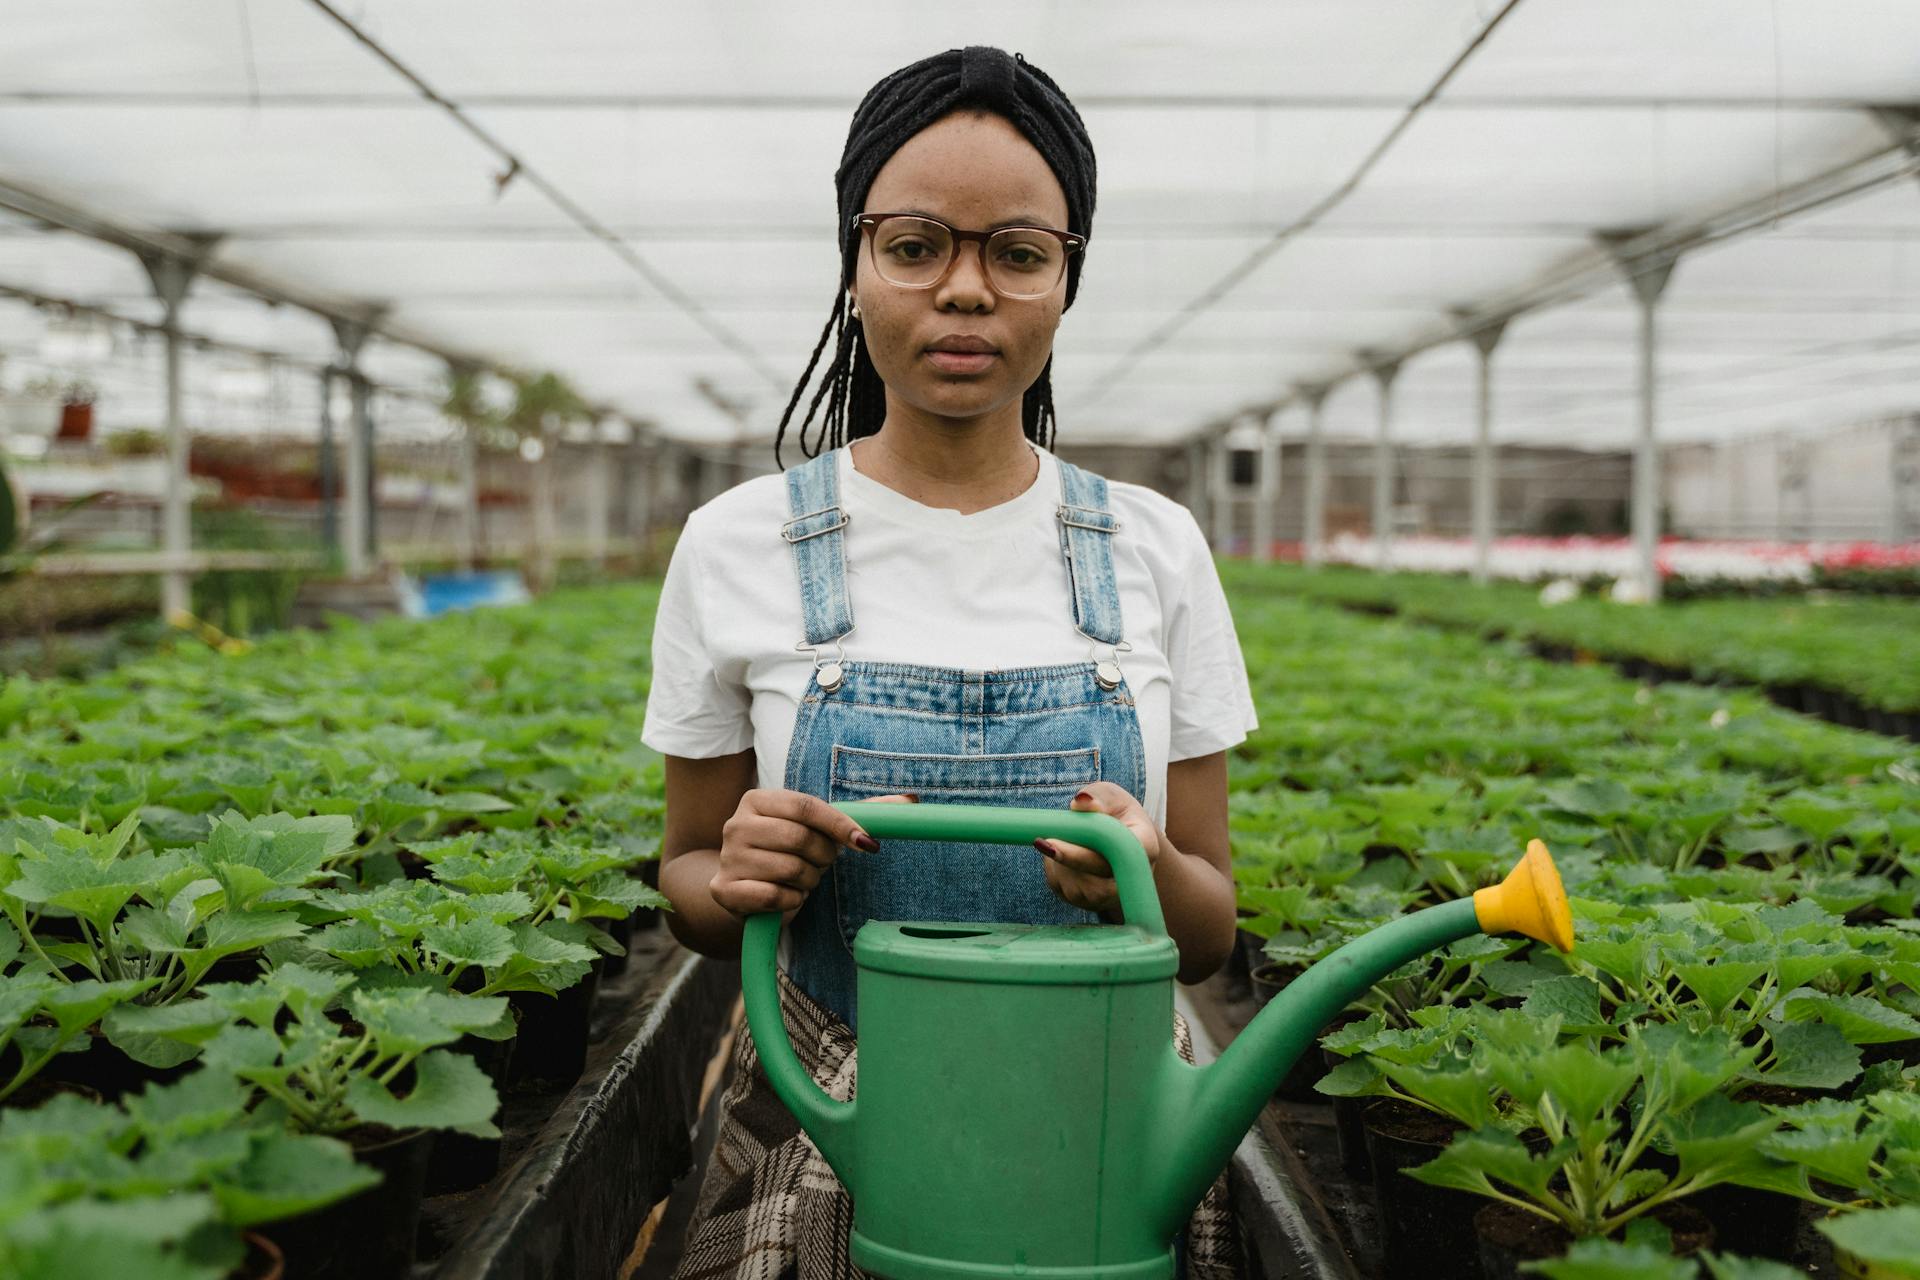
x=1018 y=220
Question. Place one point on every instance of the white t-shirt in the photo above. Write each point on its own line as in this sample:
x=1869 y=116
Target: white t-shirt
x=930 y=586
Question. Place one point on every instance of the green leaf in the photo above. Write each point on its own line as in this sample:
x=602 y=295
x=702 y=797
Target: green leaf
x=1612 y=1260
x=1887 y=1237
x=469 y=942
x=1576 y=1000
x=1718 y=985
x=1472 y=1159
x=1861 y=1019
x=1725 y=1266
x=287 y=1174
x=1809 y=1055
x=449 y=1092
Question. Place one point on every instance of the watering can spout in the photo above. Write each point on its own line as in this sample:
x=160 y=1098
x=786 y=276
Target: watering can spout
x=1221 y=1101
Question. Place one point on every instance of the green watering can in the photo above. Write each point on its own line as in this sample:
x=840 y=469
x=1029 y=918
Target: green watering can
x=1021 y=1110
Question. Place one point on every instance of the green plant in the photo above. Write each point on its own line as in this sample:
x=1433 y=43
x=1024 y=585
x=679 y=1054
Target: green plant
x=336 y=1074
x=1600 y=1112
x=157 y=923
x=159 y=1185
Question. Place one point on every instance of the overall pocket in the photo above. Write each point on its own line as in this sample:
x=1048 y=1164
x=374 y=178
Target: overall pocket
x=947 y=880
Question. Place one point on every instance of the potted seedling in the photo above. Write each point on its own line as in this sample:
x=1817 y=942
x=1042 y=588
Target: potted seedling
x=1601 y=1111
x=159 y=924
x=173 y=1182
x=363 y=1064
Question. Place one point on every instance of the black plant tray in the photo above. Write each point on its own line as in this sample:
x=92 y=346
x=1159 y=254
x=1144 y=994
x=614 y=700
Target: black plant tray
x=582 y=1168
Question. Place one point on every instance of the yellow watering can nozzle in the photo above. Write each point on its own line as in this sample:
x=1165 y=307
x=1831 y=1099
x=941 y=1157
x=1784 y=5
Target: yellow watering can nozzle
x=1531 y=900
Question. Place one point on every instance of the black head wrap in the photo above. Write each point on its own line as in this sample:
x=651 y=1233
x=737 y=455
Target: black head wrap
x=893 y=111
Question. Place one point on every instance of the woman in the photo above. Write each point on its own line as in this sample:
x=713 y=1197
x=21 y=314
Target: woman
x=1027 y=633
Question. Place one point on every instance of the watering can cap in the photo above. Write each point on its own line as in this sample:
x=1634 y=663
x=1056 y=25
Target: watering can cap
x=1050 y=955
x=1531 y=900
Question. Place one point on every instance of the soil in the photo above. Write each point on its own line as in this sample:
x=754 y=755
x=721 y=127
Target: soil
x=1529 y=1236
x=1410 y=1124
x=264 y=1260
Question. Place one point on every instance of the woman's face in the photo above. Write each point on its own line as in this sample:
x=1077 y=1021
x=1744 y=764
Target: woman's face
x=972 y=170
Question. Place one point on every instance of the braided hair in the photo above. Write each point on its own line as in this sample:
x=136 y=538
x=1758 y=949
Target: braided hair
x=893 y=111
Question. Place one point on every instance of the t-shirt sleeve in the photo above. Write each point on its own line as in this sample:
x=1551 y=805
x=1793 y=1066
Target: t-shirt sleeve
x=1212 y=705
x=691 y=711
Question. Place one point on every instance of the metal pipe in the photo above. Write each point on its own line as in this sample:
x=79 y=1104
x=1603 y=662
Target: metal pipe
x=359 y=480
x=1220 y=492
x=469 y=528
x=1485 y=340
x=1648 y=283
x=171 y=277
x=329 y=467
x=1384 y=373
x=1269 y=493
x=1315 y=532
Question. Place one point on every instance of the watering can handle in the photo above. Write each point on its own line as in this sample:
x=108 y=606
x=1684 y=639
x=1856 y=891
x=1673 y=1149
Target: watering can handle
x=828 y=1122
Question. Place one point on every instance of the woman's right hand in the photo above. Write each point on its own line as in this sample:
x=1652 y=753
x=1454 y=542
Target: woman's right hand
x=777 y=846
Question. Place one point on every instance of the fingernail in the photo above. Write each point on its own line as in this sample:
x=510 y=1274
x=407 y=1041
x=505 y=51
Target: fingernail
x=1045 y=848
x=866 y=843
x=912 y=795
x=1084 y=795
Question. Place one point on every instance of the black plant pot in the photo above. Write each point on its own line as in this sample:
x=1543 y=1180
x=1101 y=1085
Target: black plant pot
x=103 y=1067
x=1268 y=978
x=1349 y=1126
x=1425 y=1231
x=648 y=917
x=621 y=931
x=1507 y=1236
x=461 y=1162
x=369 y=1236
x=1761 y=1223
x=1239 y=966
x=550 y=1049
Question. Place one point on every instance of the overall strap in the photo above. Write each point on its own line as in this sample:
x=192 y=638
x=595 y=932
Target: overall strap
x=1086 y=531
x=819 y=546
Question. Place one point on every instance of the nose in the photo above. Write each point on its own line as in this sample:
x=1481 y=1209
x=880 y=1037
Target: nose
x=966 y=284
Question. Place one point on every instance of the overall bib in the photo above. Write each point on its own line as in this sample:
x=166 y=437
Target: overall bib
x=770 y=1208
x=1028 y=736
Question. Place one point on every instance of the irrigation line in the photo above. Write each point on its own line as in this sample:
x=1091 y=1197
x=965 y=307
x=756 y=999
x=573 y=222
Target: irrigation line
x=1320 y=209
x=517 y=167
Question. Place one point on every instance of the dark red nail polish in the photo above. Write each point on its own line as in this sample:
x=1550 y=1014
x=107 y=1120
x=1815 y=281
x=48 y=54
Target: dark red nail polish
x=866 y=843
x=1044 y=847
x=912 y=795
x=1084 y=795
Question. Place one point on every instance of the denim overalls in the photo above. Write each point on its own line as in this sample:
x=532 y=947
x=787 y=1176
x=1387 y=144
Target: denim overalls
x=1027 y=736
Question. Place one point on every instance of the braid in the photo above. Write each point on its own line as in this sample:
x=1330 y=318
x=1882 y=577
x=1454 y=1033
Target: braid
x=894 y=110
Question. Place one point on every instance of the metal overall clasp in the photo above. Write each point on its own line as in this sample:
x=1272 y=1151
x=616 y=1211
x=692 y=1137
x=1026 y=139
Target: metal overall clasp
x=828 y=671
x=1106 y=671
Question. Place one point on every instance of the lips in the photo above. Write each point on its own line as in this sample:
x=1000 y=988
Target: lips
x=962 y=353
x=963 y=343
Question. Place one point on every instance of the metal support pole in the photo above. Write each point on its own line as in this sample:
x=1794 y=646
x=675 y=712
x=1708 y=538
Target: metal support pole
x=1220 y=492
x=1197 y=479
x=1903 y=511
x=1649 y=282
x=640 y=497
x=1314 y=530
x=1269 y=492
x=1384 y=372
x=329 y=467
x=356 y=534
x=1484 y=340
x=599 y=497
x=469 y=525
x=541 y=557
x=171 y=278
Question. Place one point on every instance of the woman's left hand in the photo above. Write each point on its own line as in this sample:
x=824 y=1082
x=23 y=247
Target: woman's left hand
x=1081 y=877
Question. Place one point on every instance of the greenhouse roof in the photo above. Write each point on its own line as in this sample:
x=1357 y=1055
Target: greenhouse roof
x=1283 y=188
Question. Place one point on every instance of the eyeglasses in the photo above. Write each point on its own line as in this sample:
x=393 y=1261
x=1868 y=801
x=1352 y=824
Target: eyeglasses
x=916 y=252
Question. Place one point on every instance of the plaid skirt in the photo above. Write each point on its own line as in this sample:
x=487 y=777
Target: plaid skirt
x=771 y=1208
